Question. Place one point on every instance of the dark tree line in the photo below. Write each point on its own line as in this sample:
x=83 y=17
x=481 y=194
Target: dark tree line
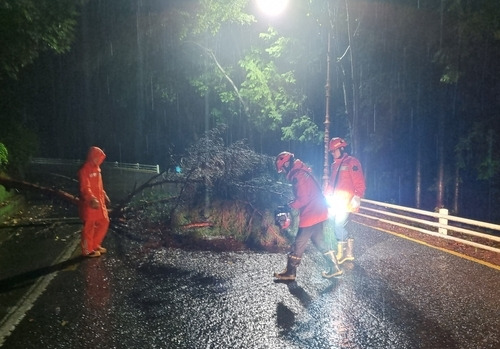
x=414 y=87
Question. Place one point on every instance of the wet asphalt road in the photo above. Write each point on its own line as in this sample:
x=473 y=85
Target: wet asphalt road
x=397 y=294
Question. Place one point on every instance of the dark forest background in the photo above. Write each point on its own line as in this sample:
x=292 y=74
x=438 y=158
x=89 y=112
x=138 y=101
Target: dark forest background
x=414 y=87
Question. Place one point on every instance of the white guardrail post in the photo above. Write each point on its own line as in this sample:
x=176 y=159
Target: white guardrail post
x=434 y=223
x=443 y=221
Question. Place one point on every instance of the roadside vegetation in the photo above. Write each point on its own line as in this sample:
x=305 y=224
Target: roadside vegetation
x=216 y=191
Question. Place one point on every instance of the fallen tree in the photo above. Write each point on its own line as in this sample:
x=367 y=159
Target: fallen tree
x=55 y=193
x=227 y=191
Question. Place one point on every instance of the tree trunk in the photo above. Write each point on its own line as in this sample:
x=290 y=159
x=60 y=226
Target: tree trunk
x=354 y=86
x=55 y=193
x=440 y=169
x=326 y=167
x=456 y=191
x=418 y=177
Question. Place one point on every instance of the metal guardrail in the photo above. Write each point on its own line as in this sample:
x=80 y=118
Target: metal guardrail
x=139 y=167
x=442 y=222
x=116 y=164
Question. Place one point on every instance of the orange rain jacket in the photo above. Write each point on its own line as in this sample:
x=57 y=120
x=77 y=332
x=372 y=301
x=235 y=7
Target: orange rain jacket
x=346 y=181
x=91 y=187
x=309 y=199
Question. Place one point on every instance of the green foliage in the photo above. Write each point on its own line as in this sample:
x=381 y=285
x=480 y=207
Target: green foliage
x=4 y=194
x=273 y=97
x=263 y=88
x=214 y=13
x=11 y=202
x=304 y=130
x=277 y=44
x=476 y=24
x=476 y=150
x=21 y=142
x=4 y=156
x=489 y=168
x=29 y=27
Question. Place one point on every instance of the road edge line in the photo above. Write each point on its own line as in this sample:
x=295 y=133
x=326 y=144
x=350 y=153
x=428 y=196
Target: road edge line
x=488 y=264
x=17 y=313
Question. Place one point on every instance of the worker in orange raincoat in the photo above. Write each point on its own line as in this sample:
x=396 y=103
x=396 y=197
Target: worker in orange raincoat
x=313 y=212
x=93 y=201
x=345 y=189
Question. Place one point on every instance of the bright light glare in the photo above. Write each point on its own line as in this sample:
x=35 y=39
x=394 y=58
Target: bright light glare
x=272 y=7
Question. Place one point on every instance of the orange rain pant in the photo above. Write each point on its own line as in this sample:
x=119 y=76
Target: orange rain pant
x=93 y=234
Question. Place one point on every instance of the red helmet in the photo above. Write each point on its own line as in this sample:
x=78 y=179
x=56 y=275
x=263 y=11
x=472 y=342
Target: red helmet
x=336 y=143
x=282 y=159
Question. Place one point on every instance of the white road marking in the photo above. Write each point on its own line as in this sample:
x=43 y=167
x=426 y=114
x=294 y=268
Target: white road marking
x=17 y=312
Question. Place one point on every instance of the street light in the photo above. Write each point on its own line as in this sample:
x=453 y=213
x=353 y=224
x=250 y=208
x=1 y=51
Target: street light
x=272 y=7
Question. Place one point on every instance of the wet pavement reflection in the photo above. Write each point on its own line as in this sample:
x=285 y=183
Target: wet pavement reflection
x=396 y=294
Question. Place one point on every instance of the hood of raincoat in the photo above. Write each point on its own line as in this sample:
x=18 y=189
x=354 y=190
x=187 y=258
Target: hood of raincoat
x=96 y=156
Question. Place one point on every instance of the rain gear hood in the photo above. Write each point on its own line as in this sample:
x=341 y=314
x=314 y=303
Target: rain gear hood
x=93 y=201
x=91 y=186
x=96 y=155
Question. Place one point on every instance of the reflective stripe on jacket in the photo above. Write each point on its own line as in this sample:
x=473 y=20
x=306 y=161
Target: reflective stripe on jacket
x=350 y=182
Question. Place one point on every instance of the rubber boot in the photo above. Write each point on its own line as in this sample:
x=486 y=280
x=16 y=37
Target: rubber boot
x=333 y=266
x=341 y=249
x=291 y=269
x=349 y=254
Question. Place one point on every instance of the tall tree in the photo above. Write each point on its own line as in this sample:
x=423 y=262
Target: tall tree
x=30 y=27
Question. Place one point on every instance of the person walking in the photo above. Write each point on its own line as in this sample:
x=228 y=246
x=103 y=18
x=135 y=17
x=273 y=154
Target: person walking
x=345 y=189
x=93 y=204
x=313 y=212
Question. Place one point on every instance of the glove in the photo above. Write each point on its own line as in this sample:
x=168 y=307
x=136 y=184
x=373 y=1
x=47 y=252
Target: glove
x=355 y=202
x=94 y=203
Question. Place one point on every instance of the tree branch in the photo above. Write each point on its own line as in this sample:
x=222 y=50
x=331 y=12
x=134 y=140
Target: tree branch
x=221 y=69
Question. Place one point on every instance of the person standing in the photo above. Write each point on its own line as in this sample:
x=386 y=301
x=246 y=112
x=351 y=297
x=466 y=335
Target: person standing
x=93 y=204
x=345 y=189
x=313 y=212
